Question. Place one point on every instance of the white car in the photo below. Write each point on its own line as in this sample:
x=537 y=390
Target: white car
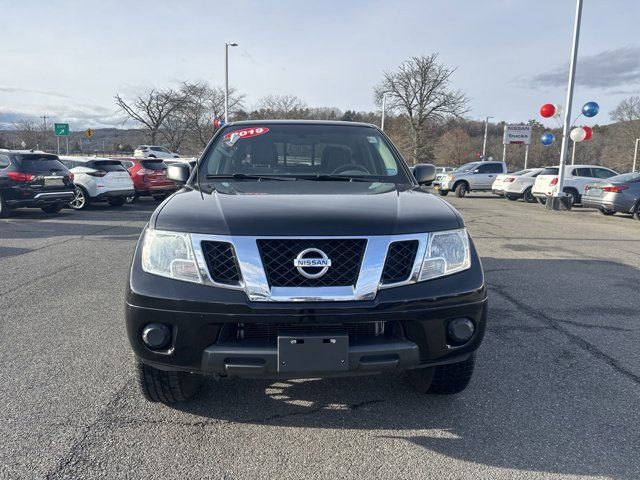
x=98 y=180
x=576 y=178
x=154 y=151
x=517 y=185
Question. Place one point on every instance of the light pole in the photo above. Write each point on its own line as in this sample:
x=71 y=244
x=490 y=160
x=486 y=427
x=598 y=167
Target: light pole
x=555 y=202
x=384 y=110
x=484 y=143
x=226 y=79
x=635 y=155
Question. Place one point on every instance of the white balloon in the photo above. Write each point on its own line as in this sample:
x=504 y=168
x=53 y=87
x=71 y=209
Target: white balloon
x=559 y=111
x=578 y=134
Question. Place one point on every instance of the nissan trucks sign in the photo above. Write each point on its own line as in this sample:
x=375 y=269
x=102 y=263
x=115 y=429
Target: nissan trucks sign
x=517 y=134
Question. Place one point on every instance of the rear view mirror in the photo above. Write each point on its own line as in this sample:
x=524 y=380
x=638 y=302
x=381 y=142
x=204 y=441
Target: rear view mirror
x=179 y=172
x=424 y=173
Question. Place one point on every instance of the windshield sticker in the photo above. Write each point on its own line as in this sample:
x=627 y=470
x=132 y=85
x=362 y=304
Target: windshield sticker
x=392 y=171
x=232 y=137
x=372 y=139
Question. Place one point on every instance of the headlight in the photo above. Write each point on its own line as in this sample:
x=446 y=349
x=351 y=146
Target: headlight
x=169 y=254
x=448 y=178
x=447 y=253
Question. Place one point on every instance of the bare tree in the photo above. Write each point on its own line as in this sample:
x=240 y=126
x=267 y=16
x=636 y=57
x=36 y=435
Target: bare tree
x=421 y=89
x=203 y=104
x=282 y=106
x=627 y=114
x=454 y=147
x=151 y=109
x=32 y=133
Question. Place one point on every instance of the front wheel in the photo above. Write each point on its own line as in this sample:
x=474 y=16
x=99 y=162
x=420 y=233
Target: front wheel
x=80 y=200
x=166 y=387
x=55 y=208
x=461 y=190
x=443 y=193
x=443 y=379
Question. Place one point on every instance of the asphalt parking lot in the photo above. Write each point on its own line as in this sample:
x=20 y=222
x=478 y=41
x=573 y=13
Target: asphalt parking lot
x=556 y=393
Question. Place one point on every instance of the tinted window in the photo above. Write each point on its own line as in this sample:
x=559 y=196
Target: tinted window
x=153 y=164
x=40 y=163
x=299 y=150
x=550 y=171
x=602 y=172
x=490 y=168
x=581 y=172
x=160 y=149
x=519 y=173
x=127 y=164
x=626 y=177
x=107 y=166
x=4 y=161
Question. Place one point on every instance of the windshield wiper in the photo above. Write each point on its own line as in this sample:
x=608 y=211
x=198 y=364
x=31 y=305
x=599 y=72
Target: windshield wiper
x=245 y=176
x=342 y=178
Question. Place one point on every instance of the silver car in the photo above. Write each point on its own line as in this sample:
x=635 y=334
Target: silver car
x=616 y=194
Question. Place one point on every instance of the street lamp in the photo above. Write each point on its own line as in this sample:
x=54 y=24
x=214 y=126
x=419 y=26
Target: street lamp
x=226 y=79
x=384 y=110
x=635 y=155
x=484 y=143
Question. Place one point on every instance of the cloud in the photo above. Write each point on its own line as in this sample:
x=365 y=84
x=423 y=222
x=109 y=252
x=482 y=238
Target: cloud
x=80 y=116
x=9 y=89
x=608 y=69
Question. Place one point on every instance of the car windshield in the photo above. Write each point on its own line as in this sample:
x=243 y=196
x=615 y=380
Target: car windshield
x=303 y=151
x=625 y=177
x=153 y=164
x=466 y=167
x=41 y=163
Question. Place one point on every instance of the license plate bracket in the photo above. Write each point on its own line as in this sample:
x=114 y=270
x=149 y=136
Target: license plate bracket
x=313 y=353
x=53 y=181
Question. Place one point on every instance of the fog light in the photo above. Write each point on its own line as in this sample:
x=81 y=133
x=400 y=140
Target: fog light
x=156 y=336
x=460 y=330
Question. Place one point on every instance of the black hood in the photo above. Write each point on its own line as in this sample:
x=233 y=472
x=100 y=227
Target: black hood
x=305 y=208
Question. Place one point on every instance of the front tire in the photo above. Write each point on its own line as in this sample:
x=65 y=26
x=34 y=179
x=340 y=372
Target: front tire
x=55 y=208
x=166 y=387
x=81 y=199
x=461 y=189
x=443 y=379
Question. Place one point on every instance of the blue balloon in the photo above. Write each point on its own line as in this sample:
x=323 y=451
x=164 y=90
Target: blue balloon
x=590 y=109
x=547 y=138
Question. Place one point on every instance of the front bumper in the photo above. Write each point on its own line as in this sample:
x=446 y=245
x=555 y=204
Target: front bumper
x=204 y=323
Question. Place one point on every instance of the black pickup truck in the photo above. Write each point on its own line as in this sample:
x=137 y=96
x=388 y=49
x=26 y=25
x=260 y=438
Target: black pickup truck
x=303 y=249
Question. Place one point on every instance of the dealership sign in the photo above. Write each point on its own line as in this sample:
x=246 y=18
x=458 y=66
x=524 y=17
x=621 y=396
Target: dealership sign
x=517 y=134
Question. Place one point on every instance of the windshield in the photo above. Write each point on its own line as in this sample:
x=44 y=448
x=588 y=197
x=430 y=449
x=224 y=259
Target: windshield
x=625 y=177
x=466 y=167
x=305 y=151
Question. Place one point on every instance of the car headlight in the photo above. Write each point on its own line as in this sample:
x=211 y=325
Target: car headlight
x=169 y=254
x=446 y=253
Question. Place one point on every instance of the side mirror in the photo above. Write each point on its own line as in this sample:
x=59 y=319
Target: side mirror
x=179 y=172
x=424 y=173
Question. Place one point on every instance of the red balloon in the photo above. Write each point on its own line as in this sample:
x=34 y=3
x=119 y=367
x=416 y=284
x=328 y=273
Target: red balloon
x=589 y=132
x=548 y=110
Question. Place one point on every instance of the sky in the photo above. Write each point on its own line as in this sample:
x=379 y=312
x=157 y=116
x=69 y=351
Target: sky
x=67 y=59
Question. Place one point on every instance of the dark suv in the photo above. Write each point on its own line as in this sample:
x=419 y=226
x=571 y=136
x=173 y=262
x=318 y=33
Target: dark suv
x=303 y=249
x=33 y=179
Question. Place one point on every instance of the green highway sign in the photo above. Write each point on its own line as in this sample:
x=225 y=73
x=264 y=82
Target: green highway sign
x=61 y=129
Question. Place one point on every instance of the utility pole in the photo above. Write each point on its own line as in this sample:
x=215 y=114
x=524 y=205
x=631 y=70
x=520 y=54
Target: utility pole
x=484 y=143
x=555 y=201
x=44 y=132
x=226 y=79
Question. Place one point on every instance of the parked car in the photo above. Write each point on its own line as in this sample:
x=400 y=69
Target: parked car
x=154 y=151
x=149 y=178
x=617 y=194
x=514 y=186
x=227 y=271
x=98 y=180
x=497 y=186
x=576 y=178
x=471 y=177
x=33 y=179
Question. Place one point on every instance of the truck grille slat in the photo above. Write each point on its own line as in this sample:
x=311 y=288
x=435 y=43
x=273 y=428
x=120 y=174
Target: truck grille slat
x=278 y=256
x=399 y=262
x=221 y=262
